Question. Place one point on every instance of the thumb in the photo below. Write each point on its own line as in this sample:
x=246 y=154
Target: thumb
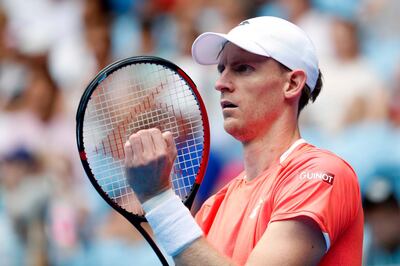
x=169 y=140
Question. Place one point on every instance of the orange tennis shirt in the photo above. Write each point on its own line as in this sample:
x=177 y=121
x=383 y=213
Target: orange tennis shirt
x=306 y=181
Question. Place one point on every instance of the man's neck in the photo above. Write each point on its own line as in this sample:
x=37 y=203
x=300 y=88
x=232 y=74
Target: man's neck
x=262 y=152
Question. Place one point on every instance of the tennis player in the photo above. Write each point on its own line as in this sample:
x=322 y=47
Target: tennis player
x=294 y=204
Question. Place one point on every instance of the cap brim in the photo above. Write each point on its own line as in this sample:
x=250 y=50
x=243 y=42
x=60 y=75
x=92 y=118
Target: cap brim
x=207 y=47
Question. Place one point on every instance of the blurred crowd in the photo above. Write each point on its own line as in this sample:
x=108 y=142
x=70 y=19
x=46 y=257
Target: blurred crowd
x=50 y=50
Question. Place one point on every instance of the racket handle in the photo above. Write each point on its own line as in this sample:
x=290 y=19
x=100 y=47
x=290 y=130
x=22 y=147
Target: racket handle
x=152 y=244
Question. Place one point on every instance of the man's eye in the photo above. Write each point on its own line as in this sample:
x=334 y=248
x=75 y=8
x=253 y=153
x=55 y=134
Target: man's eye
x=220 y=68
x=243 y=68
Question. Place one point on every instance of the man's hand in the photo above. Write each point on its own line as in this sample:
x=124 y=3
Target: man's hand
x=149 y=157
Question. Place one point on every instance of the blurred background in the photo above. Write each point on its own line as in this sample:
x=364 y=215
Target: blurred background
x=50 y=49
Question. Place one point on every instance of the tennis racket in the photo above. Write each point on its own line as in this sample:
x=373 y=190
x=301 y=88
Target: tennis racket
x=127 y=96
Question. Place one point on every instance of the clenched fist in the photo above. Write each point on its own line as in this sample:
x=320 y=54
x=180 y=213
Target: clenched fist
x=149 y=157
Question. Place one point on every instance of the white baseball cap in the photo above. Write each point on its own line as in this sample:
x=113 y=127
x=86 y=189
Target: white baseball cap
x=267 y=36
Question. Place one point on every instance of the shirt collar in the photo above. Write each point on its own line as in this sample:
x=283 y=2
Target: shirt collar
x=290 y=150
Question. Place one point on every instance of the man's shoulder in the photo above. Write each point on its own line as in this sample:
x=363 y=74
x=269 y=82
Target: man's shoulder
x=310 y=156
x=313 y=162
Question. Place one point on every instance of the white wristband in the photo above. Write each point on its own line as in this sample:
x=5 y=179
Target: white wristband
x=172 y=223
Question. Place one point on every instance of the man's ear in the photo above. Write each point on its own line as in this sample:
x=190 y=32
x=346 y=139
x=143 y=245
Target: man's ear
x=297 y=79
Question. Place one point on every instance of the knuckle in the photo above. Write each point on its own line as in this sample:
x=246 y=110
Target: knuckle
x=154 y=130
x=142 y=132
x=127 y=145
x=167 y=134
x=133 y=137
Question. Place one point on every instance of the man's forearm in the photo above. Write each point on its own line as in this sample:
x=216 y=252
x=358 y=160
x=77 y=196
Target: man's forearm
x=201 y=253
x=178 y=233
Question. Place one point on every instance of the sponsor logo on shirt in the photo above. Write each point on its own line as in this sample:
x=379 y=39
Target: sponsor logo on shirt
x=256 y=209
x=324 y=176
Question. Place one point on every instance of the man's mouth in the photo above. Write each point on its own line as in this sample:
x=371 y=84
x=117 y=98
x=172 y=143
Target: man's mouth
x=227 y=104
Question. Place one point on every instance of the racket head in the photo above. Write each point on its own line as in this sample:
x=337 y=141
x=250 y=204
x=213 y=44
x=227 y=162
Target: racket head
x=148 y=92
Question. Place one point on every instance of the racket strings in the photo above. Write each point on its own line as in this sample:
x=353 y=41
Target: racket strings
x=138 y=97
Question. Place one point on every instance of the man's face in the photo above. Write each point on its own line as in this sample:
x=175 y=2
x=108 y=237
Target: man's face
x=251 y=87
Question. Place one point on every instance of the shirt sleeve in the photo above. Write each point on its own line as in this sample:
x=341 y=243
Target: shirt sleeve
x=323 y=189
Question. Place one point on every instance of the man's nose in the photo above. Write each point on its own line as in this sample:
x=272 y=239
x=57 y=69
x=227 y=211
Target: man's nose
x=223 y=83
